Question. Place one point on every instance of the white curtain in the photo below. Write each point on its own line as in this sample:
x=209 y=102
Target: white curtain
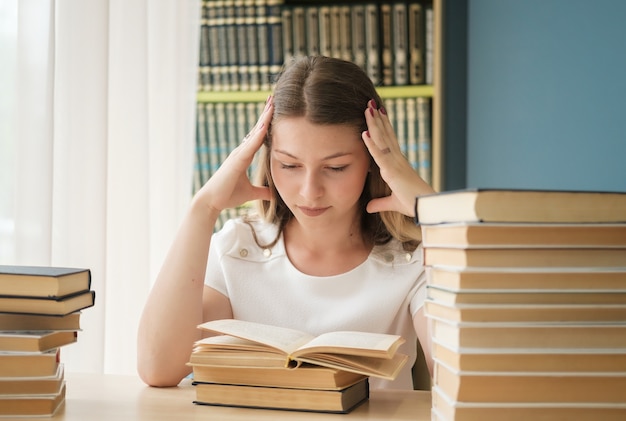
x=97 y=140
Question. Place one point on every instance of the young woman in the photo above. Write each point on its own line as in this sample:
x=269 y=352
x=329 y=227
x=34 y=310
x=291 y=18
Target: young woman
x=334 y=246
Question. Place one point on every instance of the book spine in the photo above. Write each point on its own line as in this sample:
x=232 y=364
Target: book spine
x=262 y=29
x=220 y=23
x=253 y=111
x=336 y=46
x=415 y=44
x=312 y=30
x=424 y=139
x=345 y=33
x=386 y=48
x=214 y=47
x=242 y=45
x=253 y=47
x=372 y=43
x=325 y=28
x=275 y=39
x=359 y=51
x=399 y=42
x=412 y=133
x=288 y=33
x=212 y=140
x=205 y=55
x=429 y=41
x=241 y=122
x=400 y=127
x=231 y=45
x=201 y=172
x=299 y=33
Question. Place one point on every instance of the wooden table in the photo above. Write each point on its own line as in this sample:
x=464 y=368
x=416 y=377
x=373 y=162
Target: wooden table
x=117 y=398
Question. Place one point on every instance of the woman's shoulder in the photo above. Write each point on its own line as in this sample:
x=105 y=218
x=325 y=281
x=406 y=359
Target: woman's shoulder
x=394 y=253
x=246 y=237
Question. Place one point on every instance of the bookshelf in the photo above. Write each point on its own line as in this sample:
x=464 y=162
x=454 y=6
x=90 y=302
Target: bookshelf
x=221 y=95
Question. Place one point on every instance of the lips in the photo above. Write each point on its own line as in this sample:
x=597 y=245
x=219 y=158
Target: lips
x=312 y=211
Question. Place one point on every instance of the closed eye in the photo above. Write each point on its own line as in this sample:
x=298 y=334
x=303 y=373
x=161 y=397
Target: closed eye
x=338 y=169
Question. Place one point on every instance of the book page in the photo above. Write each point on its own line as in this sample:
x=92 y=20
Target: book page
x=353 y=343
x=376 y=367
x=283 y=339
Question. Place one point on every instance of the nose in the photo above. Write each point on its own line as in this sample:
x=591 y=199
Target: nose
x=312 y=186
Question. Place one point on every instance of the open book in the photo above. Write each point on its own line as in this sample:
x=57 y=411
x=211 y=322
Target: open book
x=259 y=345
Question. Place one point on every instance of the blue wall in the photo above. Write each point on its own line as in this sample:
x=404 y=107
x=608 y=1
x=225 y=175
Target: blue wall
x=546 y=94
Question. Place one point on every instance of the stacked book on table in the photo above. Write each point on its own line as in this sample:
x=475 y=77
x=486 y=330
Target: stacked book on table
x=260 y=366
x=527 y=300
x=39 y=314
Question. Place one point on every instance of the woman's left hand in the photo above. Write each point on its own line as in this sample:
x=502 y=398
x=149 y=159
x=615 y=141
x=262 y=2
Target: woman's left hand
x=397 y=172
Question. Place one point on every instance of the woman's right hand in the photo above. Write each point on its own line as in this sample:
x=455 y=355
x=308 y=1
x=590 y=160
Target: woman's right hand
x=230 y=186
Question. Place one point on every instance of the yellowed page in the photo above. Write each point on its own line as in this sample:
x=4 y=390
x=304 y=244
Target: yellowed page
x=378 y=345
x=280 y=338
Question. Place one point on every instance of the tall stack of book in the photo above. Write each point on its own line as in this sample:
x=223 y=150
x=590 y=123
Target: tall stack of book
x=527 y=299
x=39 y=314
x=259 y=366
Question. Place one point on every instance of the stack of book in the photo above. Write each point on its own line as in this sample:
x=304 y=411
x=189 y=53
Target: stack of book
x=259 y=366
x=39 y=314
x=527 y=299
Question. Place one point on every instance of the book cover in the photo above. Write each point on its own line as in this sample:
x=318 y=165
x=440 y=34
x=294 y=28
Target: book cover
x=310 y=400
x=30 y=385
x=48 y=306
x=13 y=321
x=35 y=341
x=529 y=313
x=526 y=257
x=478 y=386
x=305 y=376
x=43 y=281
x=521 y=205
x=31 y=405
x=520 y=235
x=555 y=360
x=445 y=408
x=537 y=335
x=528 y=279
x=29 y=364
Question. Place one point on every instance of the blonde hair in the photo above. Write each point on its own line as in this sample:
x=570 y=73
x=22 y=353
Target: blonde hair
x=331 y=91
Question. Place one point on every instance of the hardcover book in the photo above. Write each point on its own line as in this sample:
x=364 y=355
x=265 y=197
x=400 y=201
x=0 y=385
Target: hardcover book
x=259 y=345
x=313 y=400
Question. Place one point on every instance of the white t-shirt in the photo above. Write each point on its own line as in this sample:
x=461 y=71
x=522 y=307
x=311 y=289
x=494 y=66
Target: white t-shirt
x=380 y=295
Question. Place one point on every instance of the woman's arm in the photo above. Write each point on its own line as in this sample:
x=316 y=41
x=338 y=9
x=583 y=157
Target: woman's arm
x=422 y=328
x=179 y=301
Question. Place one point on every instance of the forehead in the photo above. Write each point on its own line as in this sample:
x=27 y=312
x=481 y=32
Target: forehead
x=297 y=133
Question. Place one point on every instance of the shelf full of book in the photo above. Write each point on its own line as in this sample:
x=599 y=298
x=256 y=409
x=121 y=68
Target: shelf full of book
x=245 y=43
